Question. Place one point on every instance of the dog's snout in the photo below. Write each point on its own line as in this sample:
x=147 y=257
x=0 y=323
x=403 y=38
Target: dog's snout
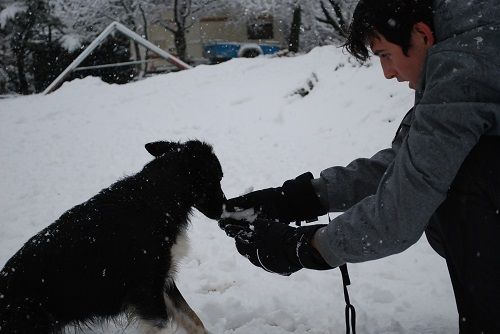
x=212 y=204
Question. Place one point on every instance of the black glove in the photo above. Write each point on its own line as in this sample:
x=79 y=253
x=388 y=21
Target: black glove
x=275 y=247
x=296 y=200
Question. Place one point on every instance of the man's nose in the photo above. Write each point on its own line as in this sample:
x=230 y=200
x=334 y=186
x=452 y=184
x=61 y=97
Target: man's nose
x=389 y=71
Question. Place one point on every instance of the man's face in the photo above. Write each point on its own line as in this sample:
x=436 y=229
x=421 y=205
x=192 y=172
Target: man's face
x=396 y=64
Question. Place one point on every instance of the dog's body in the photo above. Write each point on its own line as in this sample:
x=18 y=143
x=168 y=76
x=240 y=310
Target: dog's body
x=116 y=252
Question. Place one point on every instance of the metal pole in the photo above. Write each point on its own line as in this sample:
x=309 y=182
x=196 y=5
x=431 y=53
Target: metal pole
x=109 y=29
x=128 y=63
x=80 y=58
x=147 y=44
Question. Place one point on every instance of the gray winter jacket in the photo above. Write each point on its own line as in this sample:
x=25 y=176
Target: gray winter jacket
x=389 y=199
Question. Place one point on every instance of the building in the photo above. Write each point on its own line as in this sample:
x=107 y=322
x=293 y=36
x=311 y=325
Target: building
x=216 y=38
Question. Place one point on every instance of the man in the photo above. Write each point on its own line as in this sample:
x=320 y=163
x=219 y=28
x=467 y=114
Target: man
x=441 y=176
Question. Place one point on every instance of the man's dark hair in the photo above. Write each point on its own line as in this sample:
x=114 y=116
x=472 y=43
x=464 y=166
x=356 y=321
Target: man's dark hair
x=393 y=19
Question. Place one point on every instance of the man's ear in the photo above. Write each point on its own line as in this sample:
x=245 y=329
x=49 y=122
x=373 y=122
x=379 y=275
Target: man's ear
x=424 y=32
x=159 y=148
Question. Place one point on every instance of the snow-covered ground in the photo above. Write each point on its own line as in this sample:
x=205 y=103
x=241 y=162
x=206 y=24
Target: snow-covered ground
x=59 y=150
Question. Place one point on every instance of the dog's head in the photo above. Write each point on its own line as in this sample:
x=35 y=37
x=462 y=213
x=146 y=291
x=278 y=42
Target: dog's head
x=201 y=172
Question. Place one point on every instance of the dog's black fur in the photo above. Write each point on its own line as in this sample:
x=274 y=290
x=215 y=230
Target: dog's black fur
x=113 y=253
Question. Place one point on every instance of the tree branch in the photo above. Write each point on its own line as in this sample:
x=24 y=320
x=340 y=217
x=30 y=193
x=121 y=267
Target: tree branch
x=328 y=19
x=340 y=17
x=165 y=25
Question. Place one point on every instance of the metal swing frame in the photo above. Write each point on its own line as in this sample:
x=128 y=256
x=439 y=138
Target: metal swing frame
x=115 y=26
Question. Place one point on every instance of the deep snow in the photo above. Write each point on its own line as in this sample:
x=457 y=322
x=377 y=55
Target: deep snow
x=59 y=150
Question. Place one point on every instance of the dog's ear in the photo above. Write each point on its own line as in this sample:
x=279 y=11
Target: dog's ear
x=159 y=148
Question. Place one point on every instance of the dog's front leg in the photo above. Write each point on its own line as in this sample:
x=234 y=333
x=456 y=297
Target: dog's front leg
x=182 y=313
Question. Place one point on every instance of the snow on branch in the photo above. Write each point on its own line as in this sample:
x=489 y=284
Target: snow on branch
x=10 y=12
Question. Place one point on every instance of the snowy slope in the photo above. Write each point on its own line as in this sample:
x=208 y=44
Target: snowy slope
x=58 y=150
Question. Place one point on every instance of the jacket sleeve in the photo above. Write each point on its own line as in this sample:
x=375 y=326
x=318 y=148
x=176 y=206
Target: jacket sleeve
x=455 y=109
x=342 y=187
x=346 y=186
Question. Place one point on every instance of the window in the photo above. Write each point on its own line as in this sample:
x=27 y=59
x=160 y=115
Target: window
x=260 y=28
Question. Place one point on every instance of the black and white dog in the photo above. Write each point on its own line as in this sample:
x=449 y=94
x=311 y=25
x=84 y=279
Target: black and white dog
x=117 y=252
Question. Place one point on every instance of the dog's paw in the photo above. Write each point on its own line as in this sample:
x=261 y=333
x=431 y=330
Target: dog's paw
x=248 y=215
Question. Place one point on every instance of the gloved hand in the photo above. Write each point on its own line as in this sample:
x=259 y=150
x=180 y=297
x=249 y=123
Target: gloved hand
x=274 y=246
x=296 y=200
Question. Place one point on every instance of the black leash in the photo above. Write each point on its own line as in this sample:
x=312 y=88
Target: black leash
x=350 y=311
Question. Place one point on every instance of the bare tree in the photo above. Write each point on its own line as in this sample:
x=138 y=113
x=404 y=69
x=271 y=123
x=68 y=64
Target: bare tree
x=132 y=14
x=294 y=38
x=312 y=30
x=338 y=19
x=184 y=15
x=86 y=19
x=82 y=20
x=25 y=25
